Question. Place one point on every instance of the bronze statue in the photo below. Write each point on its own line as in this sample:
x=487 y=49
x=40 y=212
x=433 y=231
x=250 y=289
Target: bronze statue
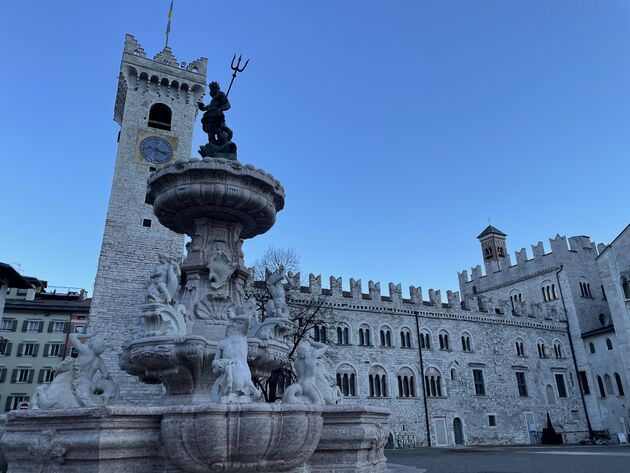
x=220 y=143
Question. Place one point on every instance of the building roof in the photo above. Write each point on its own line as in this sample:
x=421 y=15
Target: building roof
x=48 y=305
x=599 y=331
x=491 y=230
x=13 y=277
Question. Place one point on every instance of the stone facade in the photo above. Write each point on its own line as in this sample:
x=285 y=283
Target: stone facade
x=133 y=238
x=488 y=345
x=563 y=284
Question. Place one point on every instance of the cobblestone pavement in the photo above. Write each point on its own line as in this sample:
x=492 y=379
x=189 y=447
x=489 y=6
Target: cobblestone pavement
x=563 y=459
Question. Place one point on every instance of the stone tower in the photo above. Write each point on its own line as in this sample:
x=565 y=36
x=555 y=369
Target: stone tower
x=495 y=255
x=156 y=110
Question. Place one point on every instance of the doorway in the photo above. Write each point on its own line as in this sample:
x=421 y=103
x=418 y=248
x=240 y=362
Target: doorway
x=458 y=430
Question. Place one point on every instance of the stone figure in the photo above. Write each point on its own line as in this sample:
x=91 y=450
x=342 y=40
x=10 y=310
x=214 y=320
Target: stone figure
x=220 y=143
x=79 y=382
x=220 y=268
x=160 y=314
x=314 y=385
x=277 y=305
x=234 y=385
x=164 y=281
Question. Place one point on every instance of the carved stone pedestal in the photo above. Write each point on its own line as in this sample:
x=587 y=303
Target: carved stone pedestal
x=353 y=440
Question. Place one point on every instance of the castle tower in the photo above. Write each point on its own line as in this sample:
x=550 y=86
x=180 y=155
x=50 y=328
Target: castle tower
x=493 y=248
x=156 y=110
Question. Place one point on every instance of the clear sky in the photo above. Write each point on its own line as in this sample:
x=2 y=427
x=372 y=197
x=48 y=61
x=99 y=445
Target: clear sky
x=397 y=128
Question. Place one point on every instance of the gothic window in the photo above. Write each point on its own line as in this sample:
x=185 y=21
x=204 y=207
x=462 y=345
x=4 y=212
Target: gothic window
x=549 y=291
x=343 y=335
x=541 y=349
x=609 y=344
x=515 y=299
x=405 y=338
x=425 y=340
x=520 y=348
x=480 y=387
x=444 y=342
x=602 y=320
x=160 y=116
x=585 y=289
x=386 y=337
x=347 y=380
x=488 y=252
x=591 y=346
x=608 y=383
x=619 y=384
x=466 y=343
x=500 y=251
x=377 y=380
x=433 y=383
x=557 y=349
x=319 y=333
x=600 y=384
x=364 y=336
x=406 y=383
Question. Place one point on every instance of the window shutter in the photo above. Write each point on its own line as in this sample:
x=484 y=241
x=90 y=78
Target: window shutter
x=46 y=350
x=50 y=326
x=14 y=375
x=24 y=324
x=3 y=375
x=35 y=349
x=14 y=325
x=30 y=375
x=7 y=405
x=7 y=350
x=20 y=349
x=66 y=327
x=40 y=329
x=40 y=376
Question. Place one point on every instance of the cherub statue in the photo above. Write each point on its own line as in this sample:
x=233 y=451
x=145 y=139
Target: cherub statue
x=234 y=385
x=213 y=122
x=277 y=305
x=164 y=281
x=313 y=385
x=76 y=383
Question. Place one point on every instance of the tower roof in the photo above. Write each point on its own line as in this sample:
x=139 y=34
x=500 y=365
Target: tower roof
x=491 y=230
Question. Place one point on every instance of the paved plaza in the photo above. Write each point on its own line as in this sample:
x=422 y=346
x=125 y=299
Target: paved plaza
x=569 y=459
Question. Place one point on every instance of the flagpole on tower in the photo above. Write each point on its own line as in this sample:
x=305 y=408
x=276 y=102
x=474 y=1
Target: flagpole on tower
x=168 y=25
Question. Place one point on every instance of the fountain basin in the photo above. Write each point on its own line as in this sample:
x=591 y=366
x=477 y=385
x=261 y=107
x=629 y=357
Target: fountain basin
x=217 y=189
x=241 y=437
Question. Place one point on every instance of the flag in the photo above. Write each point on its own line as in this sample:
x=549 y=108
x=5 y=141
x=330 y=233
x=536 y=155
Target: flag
x=168 y=25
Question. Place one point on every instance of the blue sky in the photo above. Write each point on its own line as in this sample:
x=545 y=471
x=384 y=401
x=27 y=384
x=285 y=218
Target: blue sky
x=397 y=128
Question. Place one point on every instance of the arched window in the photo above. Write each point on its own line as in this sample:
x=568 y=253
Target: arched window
x=160 y=116
x=466 y=343
x=600 y=384
x=347 y=380
x=609 y=344
x=541 y=349
x=406 y=383
x=557 y=349
x=319 y=333
x=625 y=285
x=364 y=336
x=405 y=338
x=425 y=340
x=608 y=383
x=343 y=335
x=549 y=291
x=386 y=337
x=520 y=348
x=619 y=384
x=377 y=379
x=433 y=382
x=602 y=320
x=361 y=337
x=453 y=374
x=591 y=346
x=444 y=342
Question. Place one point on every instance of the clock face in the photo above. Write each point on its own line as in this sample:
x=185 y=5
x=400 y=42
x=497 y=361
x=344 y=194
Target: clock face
x=156 y=150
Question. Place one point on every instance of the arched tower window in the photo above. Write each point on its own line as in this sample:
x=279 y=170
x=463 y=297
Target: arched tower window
x=347 y=380
x=405 y=338
x=377 y=380
x=364 y=336
x=433 y=382
x=406 y=383
x=160 y=116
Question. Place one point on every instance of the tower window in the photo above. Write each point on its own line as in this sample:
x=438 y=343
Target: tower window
x=160 y=116
x=146 y=222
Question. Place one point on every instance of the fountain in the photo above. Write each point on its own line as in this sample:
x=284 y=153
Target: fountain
x=203 y=341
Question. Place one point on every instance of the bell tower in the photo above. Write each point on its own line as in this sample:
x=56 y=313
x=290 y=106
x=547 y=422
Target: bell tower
x=494 y=250
x=156 y=110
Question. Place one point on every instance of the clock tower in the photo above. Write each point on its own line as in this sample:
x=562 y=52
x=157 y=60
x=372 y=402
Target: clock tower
x=156 y=110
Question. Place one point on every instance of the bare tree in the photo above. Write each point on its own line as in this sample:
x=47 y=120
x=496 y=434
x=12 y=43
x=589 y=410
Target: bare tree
x=308 y=313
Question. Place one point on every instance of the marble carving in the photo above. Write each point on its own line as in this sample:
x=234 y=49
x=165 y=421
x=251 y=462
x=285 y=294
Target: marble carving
x=79 y=382
x=314 y=384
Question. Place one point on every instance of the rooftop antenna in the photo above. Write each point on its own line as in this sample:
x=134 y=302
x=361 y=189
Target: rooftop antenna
x=168 y=25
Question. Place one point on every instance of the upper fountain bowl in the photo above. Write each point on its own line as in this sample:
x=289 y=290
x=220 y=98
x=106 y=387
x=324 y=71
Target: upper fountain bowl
x=216 y=189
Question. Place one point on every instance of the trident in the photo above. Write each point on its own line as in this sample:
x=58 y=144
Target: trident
x=236 y=68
